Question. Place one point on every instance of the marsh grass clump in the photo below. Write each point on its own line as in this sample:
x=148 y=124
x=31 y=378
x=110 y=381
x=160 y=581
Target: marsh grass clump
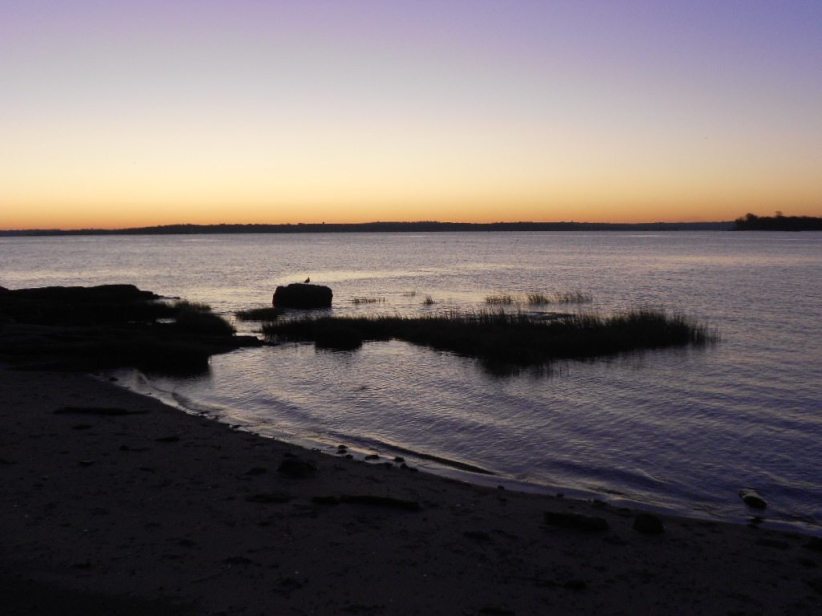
x=258 y=314
x=537 y=299
x=573 y=297
x=512 y=339
x=499 y=300
x=193 y=322
x=428 y=301
x=337 y=336
x=563 y=297
x=367 y=300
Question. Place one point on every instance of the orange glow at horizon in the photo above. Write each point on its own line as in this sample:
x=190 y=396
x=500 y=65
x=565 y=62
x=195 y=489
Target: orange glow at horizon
x=165 y=181
x=121 y=216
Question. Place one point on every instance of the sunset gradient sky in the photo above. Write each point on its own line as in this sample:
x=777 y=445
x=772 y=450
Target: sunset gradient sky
x=130 y=113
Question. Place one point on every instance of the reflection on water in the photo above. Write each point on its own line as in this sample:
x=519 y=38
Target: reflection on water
x=679 y=430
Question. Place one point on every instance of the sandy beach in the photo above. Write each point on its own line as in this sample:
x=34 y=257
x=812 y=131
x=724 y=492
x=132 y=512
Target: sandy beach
x=116 y=504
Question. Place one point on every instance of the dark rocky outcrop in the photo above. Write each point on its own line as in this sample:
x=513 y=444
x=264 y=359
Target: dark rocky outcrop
x=110 y=303
x=110 y=326
x=305 y=296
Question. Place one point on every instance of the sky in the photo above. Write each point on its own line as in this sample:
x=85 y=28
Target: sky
x=131 y=113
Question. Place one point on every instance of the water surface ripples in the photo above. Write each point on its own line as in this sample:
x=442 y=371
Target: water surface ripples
x=678 y=430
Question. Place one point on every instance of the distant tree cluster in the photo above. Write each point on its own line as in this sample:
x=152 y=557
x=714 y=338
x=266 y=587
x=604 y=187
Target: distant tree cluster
x=778 y=222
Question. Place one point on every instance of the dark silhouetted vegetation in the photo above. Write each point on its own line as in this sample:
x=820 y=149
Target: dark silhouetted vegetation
x=195 y=320
x=368 y=300
x=502 y=299
x=573 y=297
x=752 y=222
x=258 y=314
x=565 y=297
x=518 y=339
x=337 y=335
x=540 y=299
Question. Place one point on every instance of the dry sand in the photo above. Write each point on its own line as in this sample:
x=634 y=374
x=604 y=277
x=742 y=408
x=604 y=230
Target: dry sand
x=159 y=512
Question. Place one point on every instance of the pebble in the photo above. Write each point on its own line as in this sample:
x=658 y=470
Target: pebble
x=752 y=499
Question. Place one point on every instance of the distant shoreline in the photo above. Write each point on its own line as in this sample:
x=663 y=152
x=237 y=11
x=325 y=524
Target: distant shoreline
x=377 y=227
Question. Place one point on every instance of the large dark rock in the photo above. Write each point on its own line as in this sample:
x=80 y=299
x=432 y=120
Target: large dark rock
x=302 y=296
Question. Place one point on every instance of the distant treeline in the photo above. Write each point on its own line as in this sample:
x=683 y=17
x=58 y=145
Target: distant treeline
x=752 y=222
x=384 y=227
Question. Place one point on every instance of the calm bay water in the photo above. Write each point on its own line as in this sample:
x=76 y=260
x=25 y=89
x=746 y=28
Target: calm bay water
x=677 y=430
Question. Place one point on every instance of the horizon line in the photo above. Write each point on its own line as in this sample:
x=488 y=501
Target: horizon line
x=374 y=226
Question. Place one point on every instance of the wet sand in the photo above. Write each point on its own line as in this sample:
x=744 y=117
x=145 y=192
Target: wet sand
x=113 y=503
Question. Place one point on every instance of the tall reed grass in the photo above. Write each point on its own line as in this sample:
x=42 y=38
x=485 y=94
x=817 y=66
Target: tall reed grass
x=539 y=299
x=499 y=300
x=495 y=336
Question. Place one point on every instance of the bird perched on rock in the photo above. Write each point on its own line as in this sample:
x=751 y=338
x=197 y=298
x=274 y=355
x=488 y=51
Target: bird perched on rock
x=307 y=280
